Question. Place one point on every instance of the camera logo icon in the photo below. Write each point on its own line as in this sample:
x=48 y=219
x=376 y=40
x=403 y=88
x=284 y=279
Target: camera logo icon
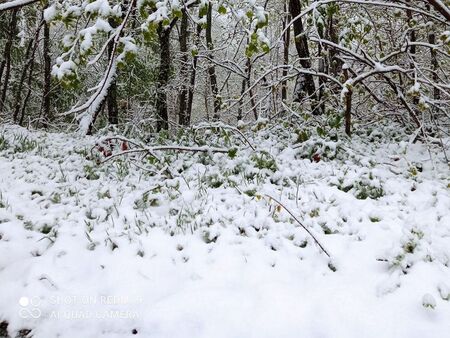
x=29 y=307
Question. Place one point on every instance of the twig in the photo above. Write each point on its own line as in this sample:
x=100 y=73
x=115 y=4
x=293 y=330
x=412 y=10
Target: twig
x=225 y=126
x=151 y=150
x=300 y=223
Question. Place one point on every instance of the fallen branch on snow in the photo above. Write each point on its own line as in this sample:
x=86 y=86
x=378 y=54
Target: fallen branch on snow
x=127 y=146
x=300 y=223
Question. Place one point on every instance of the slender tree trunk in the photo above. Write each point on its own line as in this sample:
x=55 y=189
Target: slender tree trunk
x=212 y=68
x=434 y=64
x=434 y=61
x=250 y=92
x=412 y=49
x=3 y=29
x=334 y=63
x=348 y=107
x=100 y=109
x=246 y=83
x=243 y=86
x=323 y=69
x=286 y=43
x=193 y=75
x=111 y=97
x=183 y=117
x=46 y=99
x=6 y=63
x=19 y=106
x=113 y=110
x=348 y=113
x=163 y=78
x=29 y=90
x=305 y=82
x=18 y=97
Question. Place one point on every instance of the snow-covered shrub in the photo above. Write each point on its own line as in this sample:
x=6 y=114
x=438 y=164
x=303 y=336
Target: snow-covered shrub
x=316 y=149
x=414 y=247
x=444 y=291
x=364 y=190
x=3 y=143
x=428 y=301
x=90 y=173
x=263 y=160
x=362 y=185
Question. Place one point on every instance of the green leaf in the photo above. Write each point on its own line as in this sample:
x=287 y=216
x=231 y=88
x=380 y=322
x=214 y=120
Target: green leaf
x=202 y=11
x=265 y=47
x=232 y=153
x=320 y=132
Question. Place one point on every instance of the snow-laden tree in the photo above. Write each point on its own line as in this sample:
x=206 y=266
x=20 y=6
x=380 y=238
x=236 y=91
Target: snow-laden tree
x=227 y=60
x=118 y=28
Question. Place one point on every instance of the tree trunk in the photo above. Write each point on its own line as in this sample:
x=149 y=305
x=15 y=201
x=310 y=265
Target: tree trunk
x=286 y=43
x=29 y=86
x=18 y=97
x=348 y=107
x=323 y=68
x=212 y=68
x=163 y=78
x=334 y=63
x=434 y=65
x=100 y=108
x=412 y=49
x=19 y=107
x=305 y=82
x=250 y=92
x=111 y=97
x=192 y=81
x=246 y=83
x=348 y=113
x=184 y=117
x=46 y=99
x=434 y=60
x=6 y=63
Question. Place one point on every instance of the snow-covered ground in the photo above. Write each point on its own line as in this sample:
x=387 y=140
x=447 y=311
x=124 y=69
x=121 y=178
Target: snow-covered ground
x=114 y=250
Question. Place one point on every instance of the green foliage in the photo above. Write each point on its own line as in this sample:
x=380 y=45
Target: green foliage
x=3 y=143
x=250 y=192
x=302 y=136
x=232 y=153
x=104 y=194
x=148 y=199
x=409 y=248
x=255 y=45
x=363 y=187
x=46 y=229
x=22 y=144
x=37 y=193
x=55 y=198
x=264 y=160
x=222 y=10
x=364 y=190
x=122 y=168
x=314 y=213
x=90 y=173
x=317 y=150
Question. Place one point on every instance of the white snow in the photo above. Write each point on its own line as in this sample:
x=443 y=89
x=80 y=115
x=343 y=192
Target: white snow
x=100 y=251
x=50 y=13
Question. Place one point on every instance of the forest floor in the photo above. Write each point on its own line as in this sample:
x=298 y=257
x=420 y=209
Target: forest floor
x=115 y=250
